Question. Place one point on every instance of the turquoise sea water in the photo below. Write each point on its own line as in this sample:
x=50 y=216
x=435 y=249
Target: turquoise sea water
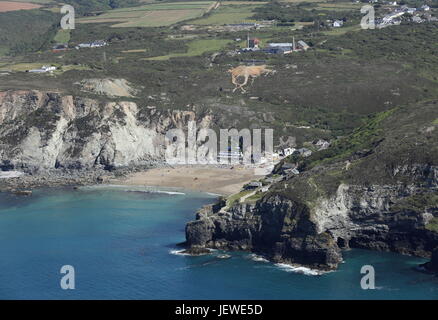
x=122 y=246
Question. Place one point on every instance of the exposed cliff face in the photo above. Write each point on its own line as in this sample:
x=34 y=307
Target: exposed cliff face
x=386 y=199
x=276 y=227
x=46 y=130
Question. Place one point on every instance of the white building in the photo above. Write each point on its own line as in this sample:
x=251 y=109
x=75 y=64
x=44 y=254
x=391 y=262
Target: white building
x=288 y=151
x=425 y=7
x=285 y=44
x=338 y=23
x=43 y=69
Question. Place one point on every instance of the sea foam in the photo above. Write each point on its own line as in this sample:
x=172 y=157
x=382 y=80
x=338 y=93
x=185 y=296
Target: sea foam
x=257 y=258
x=299 y=269
x=179 y=252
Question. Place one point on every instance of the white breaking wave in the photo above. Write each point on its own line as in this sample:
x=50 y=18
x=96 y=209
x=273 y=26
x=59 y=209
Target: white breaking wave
x=299 y=269
x=257 y=258
x=158 y=191
x=179 y=252
x=10 y=174
x=182 y=253
x=213 y=194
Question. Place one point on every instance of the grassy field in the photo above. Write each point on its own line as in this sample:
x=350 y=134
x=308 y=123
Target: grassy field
x=62 y=36
x=197 y=48
x=229 y=14
x=22 y=67
x=229 y=3
x=343 y=30
x=299 y=1
x=3 y=51
x=153 y=15
x=339 y=6
x=135 y=51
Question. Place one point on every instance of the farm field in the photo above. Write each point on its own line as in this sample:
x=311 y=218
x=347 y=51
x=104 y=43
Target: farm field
x=32 y=1
x=22 y=67
x=229 y=3
x=340 y=6
x=340 y=31
x=62 y=36
x=196 y=48
x=229 y=14
x=299 y=1
x=153 y=15
x=6 y=6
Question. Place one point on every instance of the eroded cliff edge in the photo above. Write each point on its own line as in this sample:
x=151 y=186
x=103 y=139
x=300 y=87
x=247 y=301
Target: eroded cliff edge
x=62 y=139
x=376 y=189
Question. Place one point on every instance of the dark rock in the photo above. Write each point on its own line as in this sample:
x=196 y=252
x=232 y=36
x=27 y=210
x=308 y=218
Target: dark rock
x=196 y=251
x=278 y=228
x=22 y=192
x=432 y=265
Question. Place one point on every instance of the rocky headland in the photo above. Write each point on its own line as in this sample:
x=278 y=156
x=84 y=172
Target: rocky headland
x=375 y=189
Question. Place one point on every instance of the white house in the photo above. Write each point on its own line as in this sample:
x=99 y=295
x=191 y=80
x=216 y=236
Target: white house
x=417 y=19
x=425 y=7
x=43 y=69
x=410 y=10
x=302 y=45
x=285 y=44
x=49 y=68
x=338 y=23
x=94 y=44
x=288 y=151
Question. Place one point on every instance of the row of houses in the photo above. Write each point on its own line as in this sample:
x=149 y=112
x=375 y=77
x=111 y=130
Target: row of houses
x=43 y=69
x=94 y=44
x=394 y=17
x=253 y=45
x=250 y=25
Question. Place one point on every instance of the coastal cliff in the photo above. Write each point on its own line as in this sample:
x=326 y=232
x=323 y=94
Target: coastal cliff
x=51 y=134
x=375 y=189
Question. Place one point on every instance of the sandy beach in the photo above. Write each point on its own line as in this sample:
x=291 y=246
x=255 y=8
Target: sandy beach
x=223 y=181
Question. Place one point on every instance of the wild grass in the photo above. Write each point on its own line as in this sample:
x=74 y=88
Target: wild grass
x=197 y=48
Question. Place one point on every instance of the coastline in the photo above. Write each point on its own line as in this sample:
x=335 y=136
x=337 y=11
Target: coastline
x=223 y=181
x=220 y=181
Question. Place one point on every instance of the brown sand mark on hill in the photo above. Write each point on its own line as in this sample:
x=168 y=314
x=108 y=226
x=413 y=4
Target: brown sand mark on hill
x=6 y=6
x=108 y=87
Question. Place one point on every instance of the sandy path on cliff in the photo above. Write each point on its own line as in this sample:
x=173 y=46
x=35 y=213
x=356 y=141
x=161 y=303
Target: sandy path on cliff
x=224 y=181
